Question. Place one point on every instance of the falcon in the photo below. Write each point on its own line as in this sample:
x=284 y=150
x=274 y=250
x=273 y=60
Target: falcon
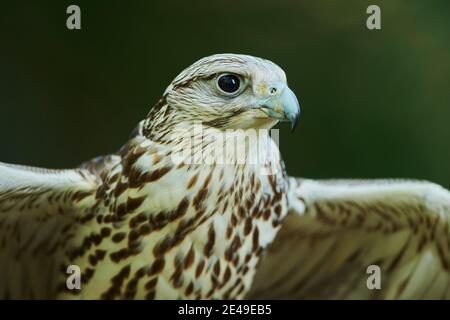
x=145 y=224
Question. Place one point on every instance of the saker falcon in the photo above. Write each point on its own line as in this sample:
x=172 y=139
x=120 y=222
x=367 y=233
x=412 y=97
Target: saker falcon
x=140 y=225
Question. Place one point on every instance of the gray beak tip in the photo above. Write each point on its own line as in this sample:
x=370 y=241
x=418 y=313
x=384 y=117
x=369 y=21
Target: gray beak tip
x=294 y=122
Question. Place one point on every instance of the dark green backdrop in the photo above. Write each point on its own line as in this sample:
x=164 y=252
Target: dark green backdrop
x=374 y=103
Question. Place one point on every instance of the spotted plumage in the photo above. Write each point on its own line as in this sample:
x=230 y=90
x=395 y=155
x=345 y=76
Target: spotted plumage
x=143 y=224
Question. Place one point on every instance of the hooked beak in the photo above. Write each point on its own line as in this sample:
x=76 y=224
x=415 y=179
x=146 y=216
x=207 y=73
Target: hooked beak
x=282 y=104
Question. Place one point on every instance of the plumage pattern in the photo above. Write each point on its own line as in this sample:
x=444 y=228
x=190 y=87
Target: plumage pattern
x=339 y=228
x=143 y=226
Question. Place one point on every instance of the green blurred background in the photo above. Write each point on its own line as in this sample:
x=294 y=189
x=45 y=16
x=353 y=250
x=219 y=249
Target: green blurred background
x=374 y=103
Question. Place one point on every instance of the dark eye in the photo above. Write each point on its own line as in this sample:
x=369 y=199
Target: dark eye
x=229 y=83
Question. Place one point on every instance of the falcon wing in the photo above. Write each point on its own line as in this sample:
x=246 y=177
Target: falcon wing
x=39 y=211
x=336 y=229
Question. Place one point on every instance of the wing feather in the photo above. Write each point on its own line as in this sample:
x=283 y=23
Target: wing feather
x=38 y=208
x=336 y=229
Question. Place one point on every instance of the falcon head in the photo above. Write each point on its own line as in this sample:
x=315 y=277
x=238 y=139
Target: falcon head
x=233 y=91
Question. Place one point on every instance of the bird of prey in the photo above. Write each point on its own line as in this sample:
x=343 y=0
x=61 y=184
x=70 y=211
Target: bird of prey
x=143 y=224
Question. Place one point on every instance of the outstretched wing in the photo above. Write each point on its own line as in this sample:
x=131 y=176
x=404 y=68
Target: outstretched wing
x=337 y=229
x=39 y=211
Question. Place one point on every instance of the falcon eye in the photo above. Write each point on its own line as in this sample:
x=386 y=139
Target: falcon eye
x=229 y=83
